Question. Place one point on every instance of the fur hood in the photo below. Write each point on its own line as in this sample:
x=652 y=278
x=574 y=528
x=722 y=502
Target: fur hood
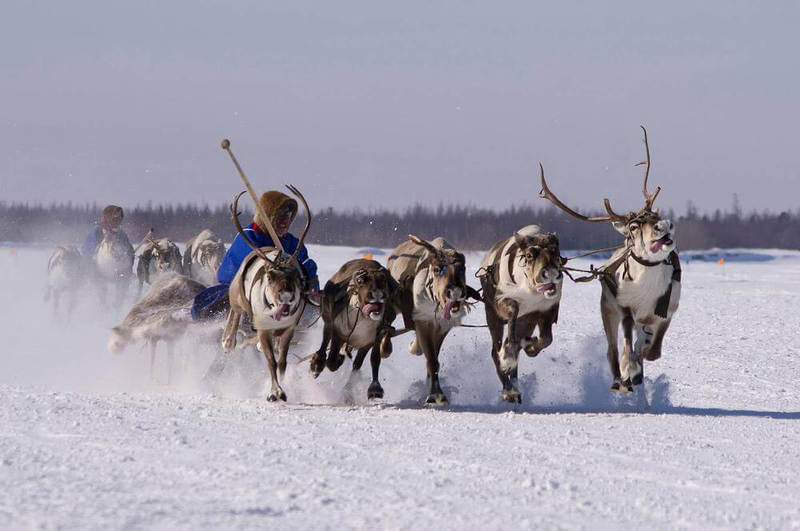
x=111 y=218
x=273 y=202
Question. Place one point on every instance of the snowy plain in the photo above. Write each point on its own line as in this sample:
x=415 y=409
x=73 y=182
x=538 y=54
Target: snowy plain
x=88 y=441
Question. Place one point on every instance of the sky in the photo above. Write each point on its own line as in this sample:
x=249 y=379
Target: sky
x=383 y=105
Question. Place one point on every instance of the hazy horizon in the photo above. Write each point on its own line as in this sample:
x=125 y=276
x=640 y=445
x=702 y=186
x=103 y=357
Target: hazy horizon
x=382 y=106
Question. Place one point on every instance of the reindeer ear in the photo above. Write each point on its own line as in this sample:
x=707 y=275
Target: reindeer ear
x=424 y=243
x=519 y=238
x=621 y=227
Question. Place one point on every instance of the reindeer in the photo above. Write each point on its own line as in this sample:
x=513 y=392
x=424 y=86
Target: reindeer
x=161 y=315
x=113 y=261
x=432 y=298
x=357 y=312
x=641 y=282
x=202 y=257
x=65 y=274
x=268 y=288
x=156 y=258
x=521 y=279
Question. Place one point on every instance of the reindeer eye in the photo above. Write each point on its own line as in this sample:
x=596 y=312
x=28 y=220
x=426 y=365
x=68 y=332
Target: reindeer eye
x=633 y=226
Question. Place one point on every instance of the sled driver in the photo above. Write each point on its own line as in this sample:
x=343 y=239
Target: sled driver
x=281 y=211
x=110 y=221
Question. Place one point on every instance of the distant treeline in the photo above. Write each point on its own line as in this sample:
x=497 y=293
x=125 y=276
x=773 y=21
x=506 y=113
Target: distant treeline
x=465 y=227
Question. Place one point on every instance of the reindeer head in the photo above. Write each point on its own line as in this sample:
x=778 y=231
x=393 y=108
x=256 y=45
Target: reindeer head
x=648 y=235
x=210 y=254
x=447 y=277
x=282 y=288
x=120 y=337
x=370 y=289
x=162 y=255
x=540 y=259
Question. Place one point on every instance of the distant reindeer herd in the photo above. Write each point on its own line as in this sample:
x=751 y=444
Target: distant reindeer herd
x=424 y=281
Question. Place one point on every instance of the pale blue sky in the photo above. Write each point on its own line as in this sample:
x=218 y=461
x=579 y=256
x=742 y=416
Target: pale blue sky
x=375 y=104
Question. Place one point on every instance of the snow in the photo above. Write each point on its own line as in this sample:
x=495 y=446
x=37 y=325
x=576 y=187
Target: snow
x=86 y=440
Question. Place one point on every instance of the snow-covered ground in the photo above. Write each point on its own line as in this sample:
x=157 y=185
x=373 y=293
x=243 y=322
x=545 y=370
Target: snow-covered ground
x=88 y=441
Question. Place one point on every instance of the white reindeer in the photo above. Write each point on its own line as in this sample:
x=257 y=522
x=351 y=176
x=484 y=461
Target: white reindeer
x=641 y=283
x=161 y=315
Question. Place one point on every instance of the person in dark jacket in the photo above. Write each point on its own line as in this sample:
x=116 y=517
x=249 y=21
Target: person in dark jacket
x=110 y=220
x=281 y=210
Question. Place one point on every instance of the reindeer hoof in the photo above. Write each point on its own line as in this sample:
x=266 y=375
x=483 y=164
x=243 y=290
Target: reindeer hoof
x=637 y=379
x=532 y=351
x=374 y=391
x=511 y=396
x=317 y=365
x=414 y=348
x=622 y=386
x=334 y=361
x=274 y=397
x=651 y=355
x=228 y=345
x=436 y=400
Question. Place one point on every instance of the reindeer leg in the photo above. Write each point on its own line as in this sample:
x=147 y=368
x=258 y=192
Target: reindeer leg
x=435 y=396
x=265 y=346
x=319 y=358
x=170 y=360
x=359 y=359
x=230 y=329
x=56 y=297
x=511 y=346
x=283 y=350
x=627 y=363
x=335 y=357
x=374 y=390
x=509 y=393
x=611 y=322
x=152 y=344
x=653 y=351
x=533 y=346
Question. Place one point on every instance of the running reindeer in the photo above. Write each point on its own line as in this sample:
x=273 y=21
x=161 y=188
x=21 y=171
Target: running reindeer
x=641 y=282
x=269 y=288
x=113 y=260
x=65 y=274
x=357 y=311
x=521 y=279
x=156 y=258
x=432 y=297
x=161 y=315
x=202 y=257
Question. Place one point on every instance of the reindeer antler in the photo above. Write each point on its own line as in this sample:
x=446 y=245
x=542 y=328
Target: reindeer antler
x=235 y=217
x=648 y=198
x=424 y=243
x=296 y=192
x=545 y=193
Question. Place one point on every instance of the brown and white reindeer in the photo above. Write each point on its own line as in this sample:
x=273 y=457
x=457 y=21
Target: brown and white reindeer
x=357 y=312
x=65 y=275
x=521 y=279
x=269 y=288
x=432 y=297
x=113 y=261
x=157 y=257
x=641 y=283
x=161 y=315
x=202 y=257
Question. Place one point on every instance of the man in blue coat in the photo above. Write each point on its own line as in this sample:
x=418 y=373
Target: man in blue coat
x=281 y=210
